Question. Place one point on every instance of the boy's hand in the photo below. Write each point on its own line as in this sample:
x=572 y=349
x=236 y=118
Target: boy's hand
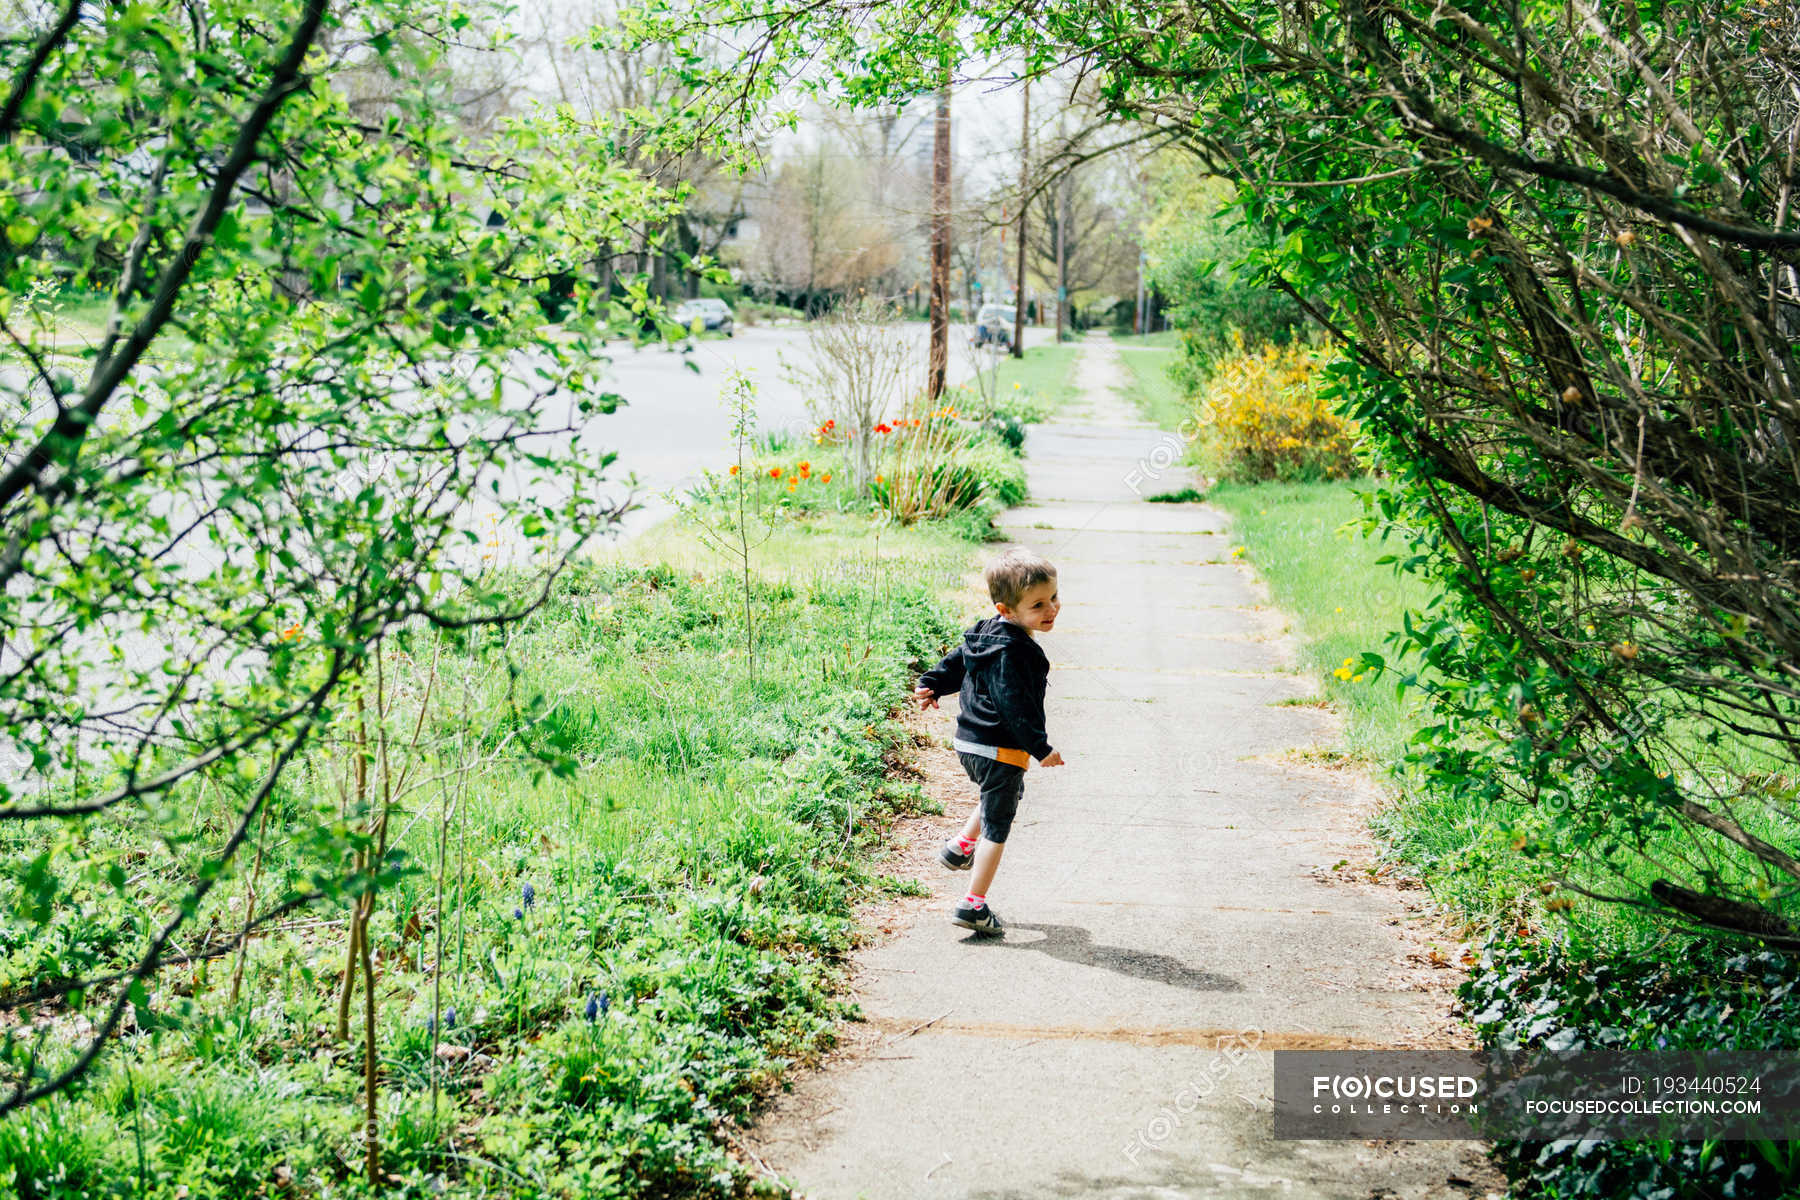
x=1055 y=759
x=927 y=697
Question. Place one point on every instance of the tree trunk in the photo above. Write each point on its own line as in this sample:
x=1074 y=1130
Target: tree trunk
x=659 y=272
x=940 y=248
x=1018 y=345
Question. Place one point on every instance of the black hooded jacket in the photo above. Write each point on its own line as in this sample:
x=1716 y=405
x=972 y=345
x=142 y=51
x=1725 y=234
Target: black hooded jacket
x=999 y=673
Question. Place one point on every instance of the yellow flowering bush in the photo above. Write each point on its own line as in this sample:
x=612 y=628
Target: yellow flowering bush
x=1261 y=416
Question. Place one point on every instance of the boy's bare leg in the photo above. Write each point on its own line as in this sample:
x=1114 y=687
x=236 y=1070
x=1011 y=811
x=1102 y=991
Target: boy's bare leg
x=971 y=830
x=987 y=861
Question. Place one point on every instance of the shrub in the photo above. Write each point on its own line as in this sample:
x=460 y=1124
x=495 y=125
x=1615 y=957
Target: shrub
x=1021 y=404
x=996 y=463
x=1532 y=994
x=1196 y=246
x=860 y=358
x=1002 y=412
x=932 y=465
x=1264 y=416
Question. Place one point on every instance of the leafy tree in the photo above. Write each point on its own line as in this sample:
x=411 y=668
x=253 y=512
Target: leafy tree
x=1195 y=240
x=324 y=373
x=817 y=238
x=623 y=97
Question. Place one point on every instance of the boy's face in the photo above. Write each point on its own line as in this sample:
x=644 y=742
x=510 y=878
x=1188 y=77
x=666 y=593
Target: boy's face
x=1037 y=607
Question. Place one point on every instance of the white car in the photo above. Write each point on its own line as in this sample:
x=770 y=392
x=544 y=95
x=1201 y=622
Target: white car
x=711 y=313
x=994 y=325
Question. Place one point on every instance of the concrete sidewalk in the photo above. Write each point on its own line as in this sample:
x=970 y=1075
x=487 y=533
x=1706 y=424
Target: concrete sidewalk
x=1168 y=894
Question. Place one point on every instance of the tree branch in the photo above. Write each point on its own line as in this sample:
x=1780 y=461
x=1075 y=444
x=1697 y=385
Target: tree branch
x=70 y=429
x=46 y=46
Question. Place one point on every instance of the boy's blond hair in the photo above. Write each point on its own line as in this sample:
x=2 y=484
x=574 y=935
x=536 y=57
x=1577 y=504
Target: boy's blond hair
x=1015 y=572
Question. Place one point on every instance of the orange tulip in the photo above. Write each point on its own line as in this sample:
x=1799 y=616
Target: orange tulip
x=825 y=478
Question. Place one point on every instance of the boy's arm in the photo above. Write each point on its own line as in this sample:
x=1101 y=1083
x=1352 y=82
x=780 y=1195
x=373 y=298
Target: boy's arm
x=1019 y=695
x=946 y=677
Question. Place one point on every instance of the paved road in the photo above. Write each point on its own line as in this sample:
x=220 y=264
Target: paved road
x=1161 y=896
x=674 y=424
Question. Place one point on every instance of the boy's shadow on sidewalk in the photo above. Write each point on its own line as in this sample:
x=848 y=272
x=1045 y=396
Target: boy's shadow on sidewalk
x=1073 y=944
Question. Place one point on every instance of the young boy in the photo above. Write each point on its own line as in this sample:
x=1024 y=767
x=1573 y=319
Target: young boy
x=999 y=674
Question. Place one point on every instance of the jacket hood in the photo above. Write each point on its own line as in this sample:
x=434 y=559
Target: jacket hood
x=985 y=641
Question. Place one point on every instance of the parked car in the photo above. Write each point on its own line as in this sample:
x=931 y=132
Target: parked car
x=711 y=313
x=994 y=325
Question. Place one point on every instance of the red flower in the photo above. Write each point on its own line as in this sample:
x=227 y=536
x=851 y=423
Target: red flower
x=884 y=427
x=734 y=469
x=774 y=472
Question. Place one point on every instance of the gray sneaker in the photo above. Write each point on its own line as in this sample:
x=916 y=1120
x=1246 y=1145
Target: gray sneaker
x=955 y=859
x=981 y=920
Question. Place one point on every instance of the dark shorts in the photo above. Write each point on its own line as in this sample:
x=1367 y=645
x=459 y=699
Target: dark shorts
x=1001 y=786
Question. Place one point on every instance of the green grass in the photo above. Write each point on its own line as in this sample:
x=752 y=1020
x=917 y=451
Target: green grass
x=1166 y=339
x=1322 y=572
x=1047 y=372
x=695 y=860
x=1151 y=389
x=66 y=322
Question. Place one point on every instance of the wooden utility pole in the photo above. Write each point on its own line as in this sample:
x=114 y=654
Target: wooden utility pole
x=1140 y=321
x=940 y=248
x=1062 y=252
x=1018 y=346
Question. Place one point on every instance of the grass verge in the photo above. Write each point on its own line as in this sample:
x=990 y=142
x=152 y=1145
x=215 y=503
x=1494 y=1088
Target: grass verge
x=585 y=977
x=1165 y=339
x=1046 y=372
x=1302 y=538
x=1155 y=394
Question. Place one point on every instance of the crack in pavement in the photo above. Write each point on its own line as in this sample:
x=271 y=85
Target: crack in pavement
x=1206 y=1039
